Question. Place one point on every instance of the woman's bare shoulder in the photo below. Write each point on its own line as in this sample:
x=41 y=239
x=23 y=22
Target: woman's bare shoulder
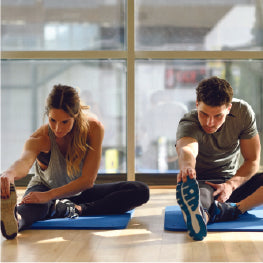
x=39 y=139
x=41 y=131
x=95 y=124
x=96 y=131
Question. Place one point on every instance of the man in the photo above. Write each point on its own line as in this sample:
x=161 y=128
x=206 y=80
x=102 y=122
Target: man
x=211 y=187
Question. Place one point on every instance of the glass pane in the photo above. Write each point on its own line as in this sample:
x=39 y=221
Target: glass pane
x=63 y=25
x=198 y=25
x=165 y=90
x=26 y=84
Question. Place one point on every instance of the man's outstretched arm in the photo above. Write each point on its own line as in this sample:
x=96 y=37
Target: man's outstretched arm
x=187 y=150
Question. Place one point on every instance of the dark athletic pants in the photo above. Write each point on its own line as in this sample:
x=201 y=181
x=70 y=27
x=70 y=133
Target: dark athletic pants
x=206 y=191
x=111 y=198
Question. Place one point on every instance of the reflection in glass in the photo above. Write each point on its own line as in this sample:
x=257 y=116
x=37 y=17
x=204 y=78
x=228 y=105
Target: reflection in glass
x=198 y=25
x=62 y=25
x=165 y=90
x=26 y=85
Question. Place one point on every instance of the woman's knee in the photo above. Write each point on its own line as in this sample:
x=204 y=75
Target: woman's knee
x=144 y=191
x=257 y=179
x=140 y=190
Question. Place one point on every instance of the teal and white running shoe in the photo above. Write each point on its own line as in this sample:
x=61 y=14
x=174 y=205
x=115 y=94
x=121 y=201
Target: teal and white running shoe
x=187 y=195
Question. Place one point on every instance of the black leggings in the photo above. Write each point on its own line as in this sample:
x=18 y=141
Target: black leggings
x=111 y=198
x=206 y=191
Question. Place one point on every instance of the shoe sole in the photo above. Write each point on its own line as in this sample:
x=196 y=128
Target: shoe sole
x=187 y=195
x=9 y=226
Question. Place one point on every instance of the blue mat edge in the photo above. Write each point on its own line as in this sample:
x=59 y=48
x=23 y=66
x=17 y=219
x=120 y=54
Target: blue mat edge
x=216 y=227
x=45 y=224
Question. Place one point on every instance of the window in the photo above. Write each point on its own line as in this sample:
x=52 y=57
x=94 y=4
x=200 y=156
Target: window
x=63 y=25
x=133 y=62
x=198 y=25
x=165 y=91
x=101 y=84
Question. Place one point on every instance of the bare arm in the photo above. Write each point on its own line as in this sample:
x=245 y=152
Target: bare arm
x=187 y=150
x=20 y=168
x=250 y=149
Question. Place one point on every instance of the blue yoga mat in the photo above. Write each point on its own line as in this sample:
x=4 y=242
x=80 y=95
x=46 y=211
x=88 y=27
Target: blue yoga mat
x=119 y=221
x=249 y=221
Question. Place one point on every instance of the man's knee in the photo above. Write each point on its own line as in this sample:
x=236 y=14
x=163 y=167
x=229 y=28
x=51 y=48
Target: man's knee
x=206 y=195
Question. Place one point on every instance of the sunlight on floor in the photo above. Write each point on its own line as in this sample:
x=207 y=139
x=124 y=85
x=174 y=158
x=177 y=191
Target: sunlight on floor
x=123 y=232
x=52 y=240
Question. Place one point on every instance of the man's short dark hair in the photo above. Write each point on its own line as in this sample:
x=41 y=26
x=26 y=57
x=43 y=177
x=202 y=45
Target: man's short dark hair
x=214 y=92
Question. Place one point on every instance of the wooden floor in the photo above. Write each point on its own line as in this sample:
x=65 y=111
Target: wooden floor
x=144 y=240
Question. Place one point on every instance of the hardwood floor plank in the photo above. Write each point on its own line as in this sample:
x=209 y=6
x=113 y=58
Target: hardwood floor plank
x=144 y=240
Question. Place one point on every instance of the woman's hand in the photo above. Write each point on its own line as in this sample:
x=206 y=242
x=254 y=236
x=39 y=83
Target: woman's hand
x=222 y=191
x=36 y=198
x=5 y=185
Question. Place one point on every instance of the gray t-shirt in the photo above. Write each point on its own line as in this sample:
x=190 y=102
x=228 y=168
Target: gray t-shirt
x=218 y=156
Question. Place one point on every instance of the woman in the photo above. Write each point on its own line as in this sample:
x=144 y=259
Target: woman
x=67 y=153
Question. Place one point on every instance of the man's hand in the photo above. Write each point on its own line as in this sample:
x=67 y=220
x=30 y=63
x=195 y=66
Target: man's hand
x=36 y=198
x=182 y=176
x=223 y=191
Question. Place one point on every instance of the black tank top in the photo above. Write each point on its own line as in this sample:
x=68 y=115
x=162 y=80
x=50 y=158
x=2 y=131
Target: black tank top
x=44 y=157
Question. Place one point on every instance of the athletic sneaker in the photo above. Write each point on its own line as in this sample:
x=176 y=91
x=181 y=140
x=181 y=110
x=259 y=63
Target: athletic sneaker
x=64 y=208
x=9 y=223
x=187 y=195
x=223 y=212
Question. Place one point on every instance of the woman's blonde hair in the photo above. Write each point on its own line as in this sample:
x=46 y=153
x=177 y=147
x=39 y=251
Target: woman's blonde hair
x=67 y=98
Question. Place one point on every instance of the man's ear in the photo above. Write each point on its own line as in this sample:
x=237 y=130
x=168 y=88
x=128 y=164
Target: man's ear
x=229 y=107
x=196 y=103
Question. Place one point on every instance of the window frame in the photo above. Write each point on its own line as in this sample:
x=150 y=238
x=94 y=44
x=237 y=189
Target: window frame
x=131 y=55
